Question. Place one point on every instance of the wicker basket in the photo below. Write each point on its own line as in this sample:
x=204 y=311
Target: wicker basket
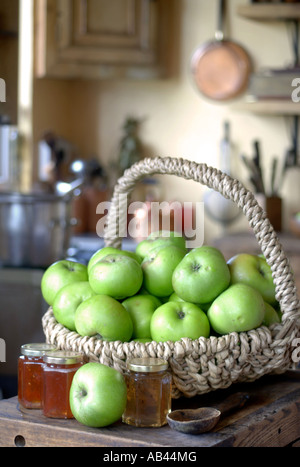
x=206 y=364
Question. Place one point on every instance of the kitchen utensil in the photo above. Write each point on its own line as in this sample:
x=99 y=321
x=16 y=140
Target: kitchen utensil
x=255 y=175
x=257 y=163
x=203 y=419
x=34 y=229
x=273 y=207
x=220 y=67
x=294 y=224
x=10 y=164
x=225 y=164
x=289 y=161
x=66 y=189
x=220 y=209
x=273 y=185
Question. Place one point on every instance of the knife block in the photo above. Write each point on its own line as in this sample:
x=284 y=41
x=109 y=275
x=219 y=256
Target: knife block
x=274 y=211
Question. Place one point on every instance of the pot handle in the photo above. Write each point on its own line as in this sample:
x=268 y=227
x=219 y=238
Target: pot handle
x=61 y=222
x=219 y=34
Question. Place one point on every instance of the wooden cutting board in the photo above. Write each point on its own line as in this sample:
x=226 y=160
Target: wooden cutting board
x=269 y=418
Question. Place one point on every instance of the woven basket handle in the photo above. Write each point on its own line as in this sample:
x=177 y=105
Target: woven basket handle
x=286 y=292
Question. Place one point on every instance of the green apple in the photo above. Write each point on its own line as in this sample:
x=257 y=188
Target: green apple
x=239 y=308
x=116 y=275
x=67 y=301
x=58 y=275
x=158 y=269
x=174 y=237
x=201 y=275
x=105 y=318
x=271 y=315
x=141 y=308
x=109 y=250
x=158 y=239
x=145 y=246
x=175 y=298
x=98 y=395
x=174 y=320
x=255 y=271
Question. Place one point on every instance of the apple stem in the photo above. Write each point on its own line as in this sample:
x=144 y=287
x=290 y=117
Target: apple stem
x=181 y=314
x=83 y=393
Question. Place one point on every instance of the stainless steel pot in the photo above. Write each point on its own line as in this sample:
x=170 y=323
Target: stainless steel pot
x=35 y=229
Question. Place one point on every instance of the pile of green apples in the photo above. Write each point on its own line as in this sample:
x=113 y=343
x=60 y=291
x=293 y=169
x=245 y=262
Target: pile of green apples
x=161 y=292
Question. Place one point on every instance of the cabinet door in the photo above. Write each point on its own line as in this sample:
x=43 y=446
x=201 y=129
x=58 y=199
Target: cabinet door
x=102 y=38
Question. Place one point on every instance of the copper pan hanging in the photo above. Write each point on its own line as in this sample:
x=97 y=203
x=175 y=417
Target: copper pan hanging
x=221 y=67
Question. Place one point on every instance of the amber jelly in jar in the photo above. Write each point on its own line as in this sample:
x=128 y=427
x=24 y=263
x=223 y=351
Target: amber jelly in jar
x=30 y=374
x=148 y=383
x=60 y=367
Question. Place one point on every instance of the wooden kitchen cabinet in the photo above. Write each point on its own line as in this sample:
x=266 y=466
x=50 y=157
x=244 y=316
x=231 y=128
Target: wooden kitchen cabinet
x=102 y=38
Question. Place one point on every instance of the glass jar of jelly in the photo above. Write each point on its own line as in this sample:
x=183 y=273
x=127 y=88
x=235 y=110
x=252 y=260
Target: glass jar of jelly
x=149 y=400
x=59 y=368
x=30 y=374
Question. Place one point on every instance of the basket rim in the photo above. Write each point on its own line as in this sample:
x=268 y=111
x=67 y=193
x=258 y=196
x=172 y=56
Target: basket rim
x=271 y=333
x=197 y=366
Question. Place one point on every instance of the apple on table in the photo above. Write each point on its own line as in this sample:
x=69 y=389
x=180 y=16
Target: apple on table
x=58 y=275
x=98 y=395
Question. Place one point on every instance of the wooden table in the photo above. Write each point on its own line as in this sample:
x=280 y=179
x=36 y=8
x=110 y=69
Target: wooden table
x=271 y=417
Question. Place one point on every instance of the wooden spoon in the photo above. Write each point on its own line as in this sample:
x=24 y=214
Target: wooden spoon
x=203 y=419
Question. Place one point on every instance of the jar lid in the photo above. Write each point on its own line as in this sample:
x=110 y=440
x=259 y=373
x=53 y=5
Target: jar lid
x=36 y=350
x=63 y=357
x=147 y=364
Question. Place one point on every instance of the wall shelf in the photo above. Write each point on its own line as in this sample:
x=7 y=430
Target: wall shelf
x=280 y=107
x=270 y=11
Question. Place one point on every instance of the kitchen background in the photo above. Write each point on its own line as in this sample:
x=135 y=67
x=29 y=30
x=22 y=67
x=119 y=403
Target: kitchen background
x=79 y=79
